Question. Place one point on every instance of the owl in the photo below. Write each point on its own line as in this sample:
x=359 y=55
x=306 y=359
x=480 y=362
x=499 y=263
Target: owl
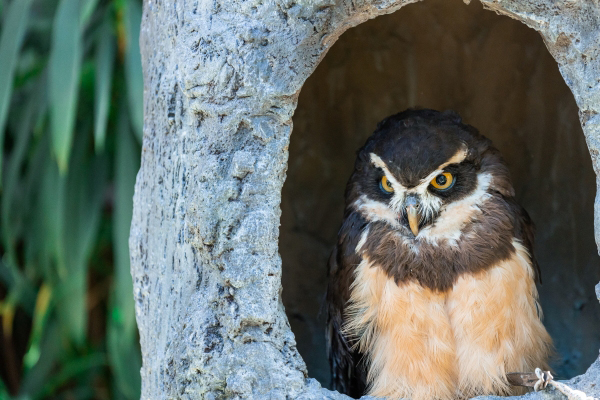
x=432 y=283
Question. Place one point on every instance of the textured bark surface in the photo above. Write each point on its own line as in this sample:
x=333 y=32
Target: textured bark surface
x=221 y=85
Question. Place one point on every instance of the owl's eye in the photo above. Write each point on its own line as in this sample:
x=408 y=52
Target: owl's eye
x=385 y=185
x=443 y=181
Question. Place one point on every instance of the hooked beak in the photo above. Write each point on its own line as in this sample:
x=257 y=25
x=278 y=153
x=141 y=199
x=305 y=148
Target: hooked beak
x=412 y=213
x=413 y=218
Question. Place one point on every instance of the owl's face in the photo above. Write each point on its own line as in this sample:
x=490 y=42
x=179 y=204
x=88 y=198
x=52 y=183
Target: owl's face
x=420 y=173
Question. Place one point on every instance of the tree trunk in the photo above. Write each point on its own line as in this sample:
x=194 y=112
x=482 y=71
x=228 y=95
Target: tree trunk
x=221 y=82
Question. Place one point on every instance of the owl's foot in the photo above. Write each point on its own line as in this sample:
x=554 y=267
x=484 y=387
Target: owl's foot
x=545 y=378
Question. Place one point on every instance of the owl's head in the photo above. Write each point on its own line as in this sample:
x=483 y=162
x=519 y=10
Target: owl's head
x=423 y=171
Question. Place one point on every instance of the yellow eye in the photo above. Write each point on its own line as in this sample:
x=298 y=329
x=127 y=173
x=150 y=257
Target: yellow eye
x=385 y=185
x=443 y=181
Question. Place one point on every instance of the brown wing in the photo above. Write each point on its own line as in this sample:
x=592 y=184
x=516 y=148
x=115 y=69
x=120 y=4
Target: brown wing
x=348 y=373
x=524 y=230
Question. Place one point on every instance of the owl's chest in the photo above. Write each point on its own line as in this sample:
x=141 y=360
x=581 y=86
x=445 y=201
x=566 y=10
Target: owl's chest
x=462 y=339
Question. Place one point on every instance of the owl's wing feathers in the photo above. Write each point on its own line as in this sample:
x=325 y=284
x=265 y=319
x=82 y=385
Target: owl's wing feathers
x=524 y=230
x=347 y=370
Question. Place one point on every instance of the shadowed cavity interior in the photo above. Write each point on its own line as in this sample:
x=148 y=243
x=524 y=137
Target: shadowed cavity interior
x=498 y=75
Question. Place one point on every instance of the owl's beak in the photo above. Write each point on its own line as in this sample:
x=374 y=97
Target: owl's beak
x=413 y=218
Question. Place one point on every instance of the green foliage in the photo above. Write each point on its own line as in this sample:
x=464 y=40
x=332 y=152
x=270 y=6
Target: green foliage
x=16 y=23
x=70 y=131
x=64 y=70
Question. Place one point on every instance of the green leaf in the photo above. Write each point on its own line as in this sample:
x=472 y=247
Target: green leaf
x=64 y=68
x=13 y=197
x=4 y=393
x=51 y=197
x=127 y=164
x=105 y=56
x=19 y=288
x=39 y=247
x=87 y=9
x=123 y=344
x=133 y=66
x=51 y=348
x=71 y=369
x=10 y=44
x=40 y=317
x=80 y=221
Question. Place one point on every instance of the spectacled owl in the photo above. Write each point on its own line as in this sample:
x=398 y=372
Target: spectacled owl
x=432 y=283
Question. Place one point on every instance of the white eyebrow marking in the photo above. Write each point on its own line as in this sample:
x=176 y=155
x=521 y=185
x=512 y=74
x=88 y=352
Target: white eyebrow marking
x=378 y=162
x=457 y=158
x=399 y=190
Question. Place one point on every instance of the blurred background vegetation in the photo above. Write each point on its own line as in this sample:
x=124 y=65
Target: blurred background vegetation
x=70 y=132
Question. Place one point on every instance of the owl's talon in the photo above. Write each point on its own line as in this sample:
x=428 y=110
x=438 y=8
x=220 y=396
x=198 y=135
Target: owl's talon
x=544 y=378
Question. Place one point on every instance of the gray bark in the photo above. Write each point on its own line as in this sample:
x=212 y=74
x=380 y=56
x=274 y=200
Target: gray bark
x=221 y=84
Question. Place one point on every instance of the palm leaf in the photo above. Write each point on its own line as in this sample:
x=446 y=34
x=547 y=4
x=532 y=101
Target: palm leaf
x=13 y=197
x=51 y=208
x=50 y=350
x=70 y=370
x=40 y=318
x=133 y=66
x=122 y=332
x=65 y=62
x=105 y=55
x=80 y=220
x=87 y=9
x=10 y=44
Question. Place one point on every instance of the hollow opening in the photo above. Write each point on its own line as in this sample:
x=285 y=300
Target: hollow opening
x=498 y=75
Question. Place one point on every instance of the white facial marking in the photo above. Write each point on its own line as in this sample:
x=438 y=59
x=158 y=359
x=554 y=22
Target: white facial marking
x=457 y=158
x=362 y=241
x=378 y=162
x=399 y=190
x=429 y=205
x=376 y=211
x=456 y=215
